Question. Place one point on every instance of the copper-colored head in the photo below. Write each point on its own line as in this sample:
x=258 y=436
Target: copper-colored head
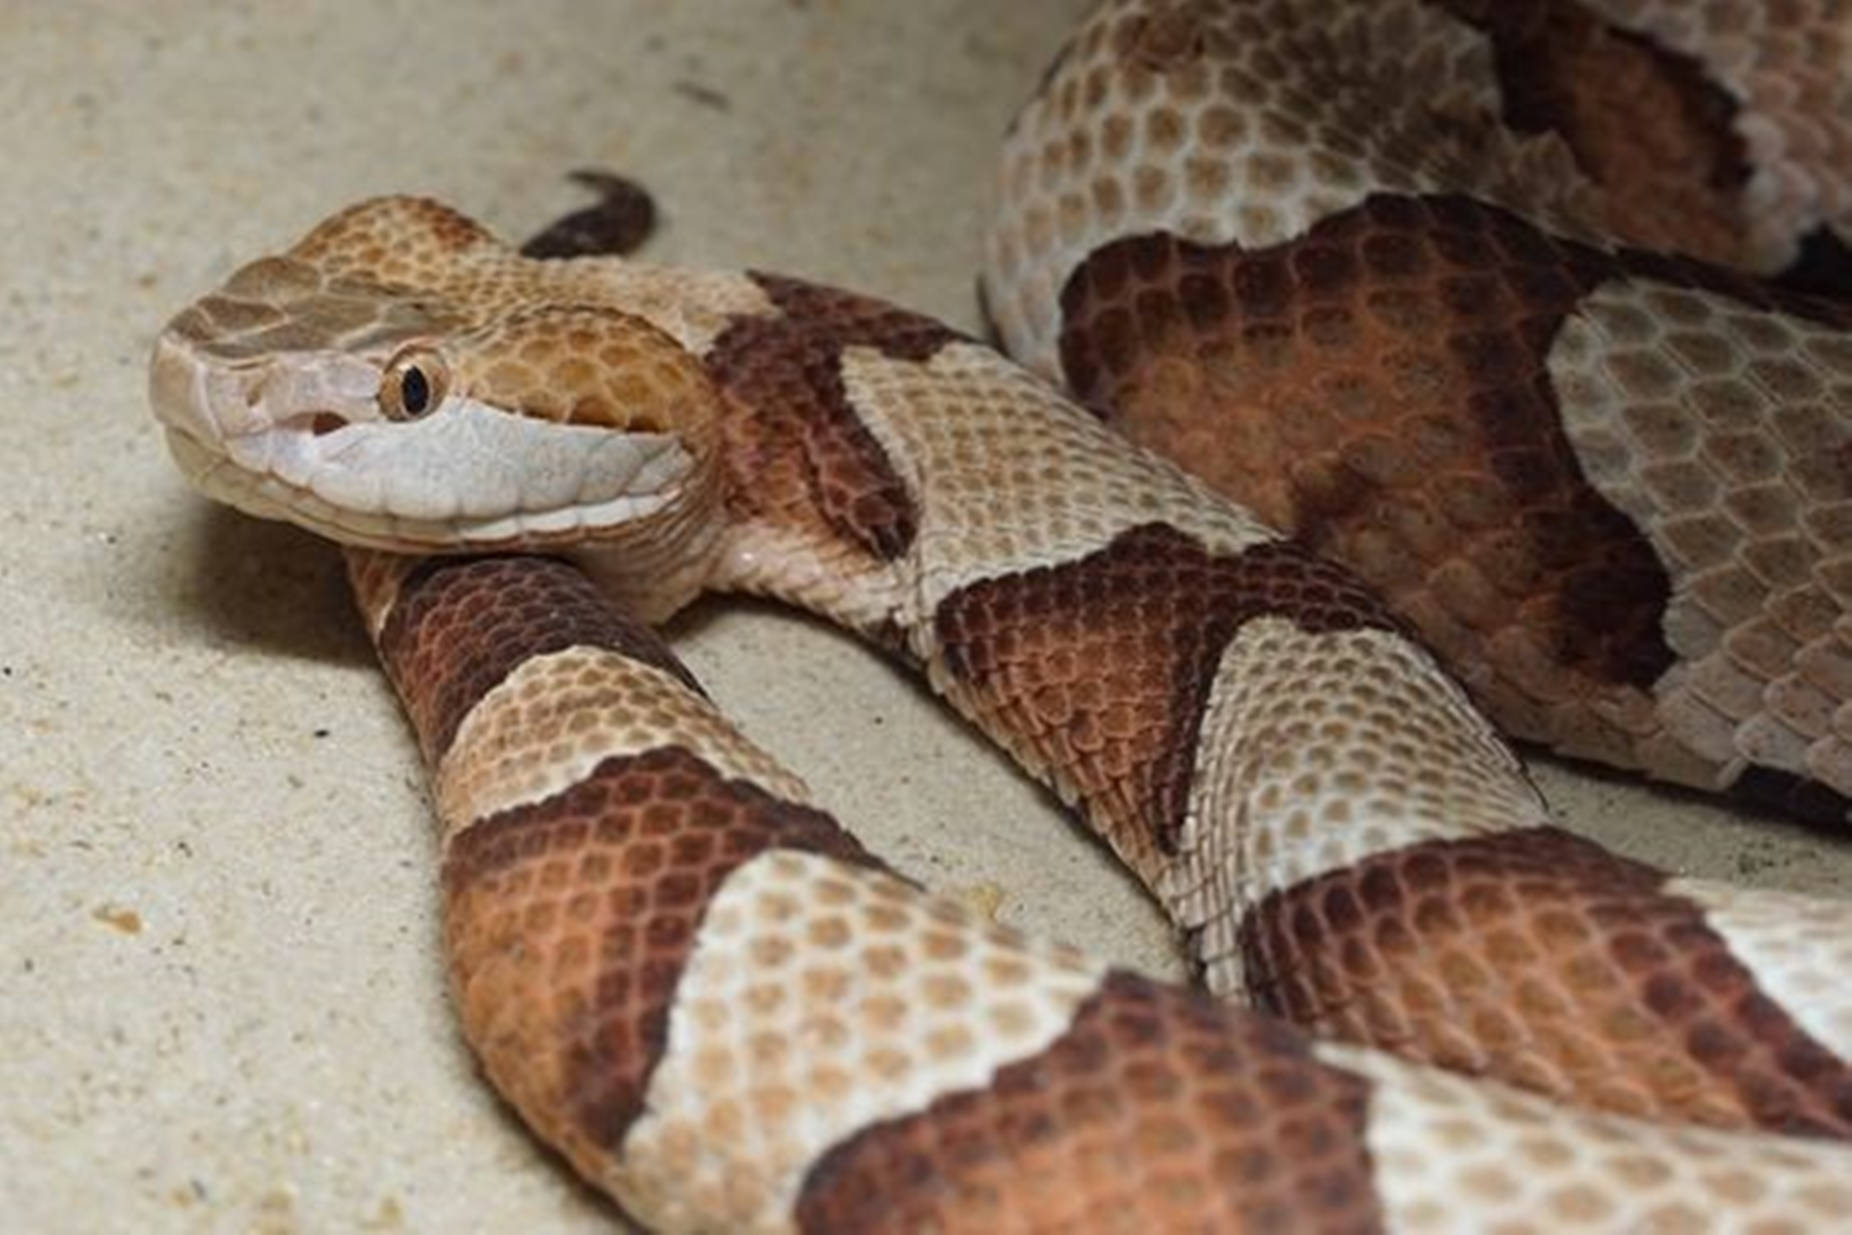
x=400 y=379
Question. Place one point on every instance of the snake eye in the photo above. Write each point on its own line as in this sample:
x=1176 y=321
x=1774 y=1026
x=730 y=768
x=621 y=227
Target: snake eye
x=415 y=383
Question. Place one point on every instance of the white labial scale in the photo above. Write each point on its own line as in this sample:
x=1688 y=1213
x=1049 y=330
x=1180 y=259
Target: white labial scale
x=467 y=476
x=472 y=460
x=263 y=496
x=1009 y=476
x=1798 y=947
x=1453 y=1154
x=820 y=999
x=556 y=717
x=1320 y=750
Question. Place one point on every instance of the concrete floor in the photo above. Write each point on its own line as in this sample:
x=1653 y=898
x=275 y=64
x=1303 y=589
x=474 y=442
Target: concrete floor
x=221 y=1005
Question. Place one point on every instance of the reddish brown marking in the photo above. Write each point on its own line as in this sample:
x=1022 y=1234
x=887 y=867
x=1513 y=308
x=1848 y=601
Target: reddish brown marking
x=1540 y=958
x=617 y=224
x=1384 y=377
x=462 y=625
x=1378 y=388
x=801 y=444
x=1644 y=122
x=1103 y=665
x=1158 y=1110
x=570 y=920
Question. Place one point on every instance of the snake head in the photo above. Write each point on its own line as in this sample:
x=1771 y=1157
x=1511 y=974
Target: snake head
x=401 y=380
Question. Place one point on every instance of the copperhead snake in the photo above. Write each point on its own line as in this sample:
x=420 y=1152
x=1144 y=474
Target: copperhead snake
x=722 y=1010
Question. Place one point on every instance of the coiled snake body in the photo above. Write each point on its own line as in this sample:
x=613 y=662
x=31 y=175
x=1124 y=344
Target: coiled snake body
x=721 y=1009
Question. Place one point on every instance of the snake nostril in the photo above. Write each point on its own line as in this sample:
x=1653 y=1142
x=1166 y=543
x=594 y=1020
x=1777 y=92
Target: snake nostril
x=325 y=422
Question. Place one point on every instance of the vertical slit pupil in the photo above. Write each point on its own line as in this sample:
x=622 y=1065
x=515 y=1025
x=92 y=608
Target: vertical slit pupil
x=414 y=391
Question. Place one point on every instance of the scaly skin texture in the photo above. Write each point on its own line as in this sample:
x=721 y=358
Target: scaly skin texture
x=723 y=1011
x=706 y=995
x=1393 y=274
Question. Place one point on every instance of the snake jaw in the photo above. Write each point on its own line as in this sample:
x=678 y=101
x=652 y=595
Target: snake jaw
x=302 y=439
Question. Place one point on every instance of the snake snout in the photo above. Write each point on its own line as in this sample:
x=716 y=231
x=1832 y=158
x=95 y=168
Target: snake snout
x=315 y=394
x=211 y=402
x=175 y=390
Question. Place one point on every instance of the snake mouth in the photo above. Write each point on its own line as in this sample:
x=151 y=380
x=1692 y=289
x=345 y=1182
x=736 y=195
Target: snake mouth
x=305 y=441
x=474 y=479
x=213 y=473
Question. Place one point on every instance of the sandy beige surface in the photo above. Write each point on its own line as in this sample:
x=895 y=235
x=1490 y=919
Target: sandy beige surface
x=221 y=1006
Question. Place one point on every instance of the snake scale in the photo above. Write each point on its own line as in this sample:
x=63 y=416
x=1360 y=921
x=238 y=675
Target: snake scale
x=1455 y=364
